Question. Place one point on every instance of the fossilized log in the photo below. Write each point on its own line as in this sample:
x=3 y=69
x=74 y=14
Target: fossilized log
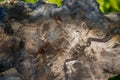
x=72 y=42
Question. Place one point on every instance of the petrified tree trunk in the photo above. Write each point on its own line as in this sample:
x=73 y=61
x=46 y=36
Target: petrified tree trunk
x=72 y=42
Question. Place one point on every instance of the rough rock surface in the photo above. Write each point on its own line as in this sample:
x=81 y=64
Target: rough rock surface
x=11 y=74
x=72 y=42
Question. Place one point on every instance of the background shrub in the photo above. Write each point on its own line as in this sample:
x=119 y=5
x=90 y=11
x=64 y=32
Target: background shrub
x=109 y=5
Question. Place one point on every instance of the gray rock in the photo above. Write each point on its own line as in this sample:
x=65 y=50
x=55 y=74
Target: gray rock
x=72 y=42
x=11 y=74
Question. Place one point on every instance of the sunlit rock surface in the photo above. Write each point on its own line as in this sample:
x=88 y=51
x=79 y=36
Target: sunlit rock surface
x=46 y=42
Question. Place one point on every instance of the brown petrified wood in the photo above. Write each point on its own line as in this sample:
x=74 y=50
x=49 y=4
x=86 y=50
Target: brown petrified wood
x=45 y=42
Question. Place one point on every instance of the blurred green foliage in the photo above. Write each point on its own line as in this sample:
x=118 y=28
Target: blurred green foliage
x=58 y=2
x=115 y=77
x=109 y=5
x=1 y=0
x=30 y=1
